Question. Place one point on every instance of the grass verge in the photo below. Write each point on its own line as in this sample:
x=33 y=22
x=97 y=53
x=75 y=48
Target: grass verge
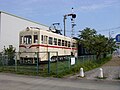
x=57 y=69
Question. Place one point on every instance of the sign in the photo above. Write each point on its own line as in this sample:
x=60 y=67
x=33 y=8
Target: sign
x=72 y=60
x=117 y=38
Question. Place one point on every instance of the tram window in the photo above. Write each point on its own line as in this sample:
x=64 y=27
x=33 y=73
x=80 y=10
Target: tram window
x=21 y=39
x=45 y=39
x=68 y=44
x=42 y=39
x=62 y=42
x=59 y=42
x=35 y=38
x=28 y=39
x=24 y=40
x=65 y=43
x=50 y=40
x=73 y=45
x=55 y=41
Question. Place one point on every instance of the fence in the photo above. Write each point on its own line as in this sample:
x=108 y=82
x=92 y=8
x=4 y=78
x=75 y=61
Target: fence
x=53 y=67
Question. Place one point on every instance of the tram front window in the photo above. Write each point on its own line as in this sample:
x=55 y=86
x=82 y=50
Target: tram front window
x=28 y=39
x=35 y=38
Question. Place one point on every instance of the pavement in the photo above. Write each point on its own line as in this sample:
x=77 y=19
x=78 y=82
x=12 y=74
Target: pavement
x=111 y=71
x=22 y=82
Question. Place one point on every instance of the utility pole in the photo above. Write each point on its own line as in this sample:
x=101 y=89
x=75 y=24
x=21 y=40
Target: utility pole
x=72 y=29
x=64 y=24
x=64 y=20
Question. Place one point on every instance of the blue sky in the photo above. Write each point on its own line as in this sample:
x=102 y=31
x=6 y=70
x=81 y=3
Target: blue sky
x=101 y=15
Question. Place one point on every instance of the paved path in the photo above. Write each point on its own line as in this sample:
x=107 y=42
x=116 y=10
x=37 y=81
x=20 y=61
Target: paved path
x=20 y=82
x=111 y=70
x=114 y=62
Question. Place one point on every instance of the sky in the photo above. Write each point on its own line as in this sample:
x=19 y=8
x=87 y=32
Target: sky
x=101 y=15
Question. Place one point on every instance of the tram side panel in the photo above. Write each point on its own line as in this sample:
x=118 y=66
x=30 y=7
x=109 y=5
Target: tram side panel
x=44 y=41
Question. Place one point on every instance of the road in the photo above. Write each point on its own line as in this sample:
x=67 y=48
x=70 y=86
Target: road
x=22 y=82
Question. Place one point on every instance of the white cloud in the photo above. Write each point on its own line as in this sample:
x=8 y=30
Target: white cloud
x=99 y=5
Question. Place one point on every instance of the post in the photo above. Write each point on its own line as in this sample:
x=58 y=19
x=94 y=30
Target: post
x=69 y=62
x=15 y=63
x=100 y=73
x=57 y=64
x=48 y=62
x=37 y=62
x=81 y=72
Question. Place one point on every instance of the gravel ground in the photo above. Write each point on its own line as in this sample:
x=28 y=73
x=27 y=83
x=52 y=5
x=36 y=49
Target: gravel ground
x=111 y=71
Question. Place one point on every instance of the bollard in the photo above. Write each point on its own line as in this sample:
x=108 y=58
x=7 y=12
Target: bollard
x=100 y=73
x=81 y=72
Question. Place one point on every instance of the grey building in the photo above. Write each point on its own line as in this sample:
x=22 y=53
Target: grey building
x=10 y=26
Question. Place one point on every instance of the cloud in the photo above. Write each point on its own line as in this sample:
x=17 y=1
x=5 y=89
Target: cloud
x=99 y=5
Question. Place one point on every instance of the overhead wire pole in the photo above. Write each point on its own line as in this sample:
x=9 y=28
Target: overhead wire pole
x=64 y=24
x=72 y=30
x=65 y=17
x=72 y=24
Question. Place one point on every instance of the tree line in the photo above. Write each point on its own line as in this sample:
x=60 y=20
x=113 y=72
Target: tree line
x=96 y=44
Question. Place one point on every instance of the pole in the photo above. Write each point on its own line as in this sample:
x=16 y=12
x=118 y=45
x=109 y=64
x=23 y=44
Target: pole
x=57 y=64
x=37 y=62
x=37 y=57
x=15 y=63
x=48 y=62
x=72 y=24
x=64 y=24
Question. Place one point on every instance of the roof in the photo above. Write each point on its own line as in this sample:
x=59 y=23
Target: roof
x=23 y=18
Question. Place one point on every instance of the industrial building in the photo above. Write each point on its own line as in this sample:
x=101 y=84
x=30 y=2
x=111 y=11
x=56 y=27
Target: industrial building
x=11 y=25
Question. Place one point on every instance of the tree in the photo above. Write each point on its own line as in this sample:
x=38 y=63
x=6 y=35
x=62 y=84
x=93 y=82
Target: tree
x=86 y=37
x=96 y=43
x=10 y=52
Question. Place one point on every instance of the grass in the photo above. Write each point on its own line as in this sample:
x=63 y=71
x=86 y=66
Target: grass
x=87 y=65
x=57 y=69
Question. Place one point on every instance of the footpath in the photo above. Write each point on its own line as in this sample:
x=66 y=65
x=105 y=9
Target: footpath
x=111 y=71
